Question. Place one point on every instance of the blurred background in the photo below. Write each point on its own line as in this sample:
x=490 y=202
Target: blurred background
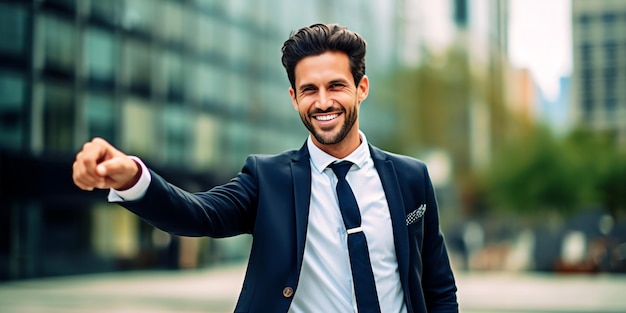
x=517 y=106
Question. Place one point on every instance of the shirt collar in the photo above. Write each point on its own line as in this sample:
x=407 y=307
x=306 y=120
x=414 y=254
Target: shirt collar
x=321 y=159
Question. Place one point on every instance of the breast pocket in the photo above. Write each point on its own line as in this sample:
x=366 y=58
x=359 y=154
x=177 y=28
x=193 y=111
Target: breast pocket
x=415 y=225
x=416 y=215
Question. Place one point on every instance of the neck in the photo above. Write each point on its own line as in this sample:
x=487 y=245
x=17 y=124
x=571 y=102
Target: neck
x=341 y=149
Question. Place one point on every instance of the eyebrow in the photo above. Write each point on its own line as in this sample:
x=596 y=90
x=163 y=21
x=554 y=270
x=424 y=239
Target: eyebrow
x=334 y=81
x=305 y=86
x=341 y=80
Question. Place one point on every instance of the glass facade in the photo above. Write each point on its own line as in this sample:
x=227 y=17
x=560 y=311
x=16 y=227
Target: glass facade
x=13 y=24
x=99 y=116
x=192 y=87
x=58 y=118
x=58 y=44
x=100 y=56
x=599 y=34
x=12 y=120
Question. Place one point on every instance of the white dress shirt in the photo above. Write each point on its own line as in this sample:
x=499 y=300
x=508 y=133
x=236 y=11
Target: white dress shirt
x=137 y=191
x=325 y=283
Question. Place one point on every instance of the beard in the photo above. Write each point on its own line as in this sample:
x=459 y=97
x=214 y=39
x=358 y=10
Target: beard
x=331 y=137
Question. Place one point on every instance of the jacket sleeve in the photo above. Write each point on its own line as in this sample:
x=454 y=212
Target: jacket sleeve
x=222 y=211
x=438 y=280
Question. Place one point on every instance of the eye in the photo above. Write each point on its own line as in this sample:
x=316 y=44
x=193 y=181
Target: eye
x=336 y=85
x=307 y=90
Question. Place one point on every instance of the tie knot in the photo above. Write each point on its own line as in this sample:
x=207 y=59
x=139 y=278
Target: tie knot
x=341 y=168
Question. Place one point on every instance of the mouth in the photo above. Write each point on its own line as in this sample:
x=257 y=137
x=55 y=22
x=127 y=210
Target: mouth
x=326 y=117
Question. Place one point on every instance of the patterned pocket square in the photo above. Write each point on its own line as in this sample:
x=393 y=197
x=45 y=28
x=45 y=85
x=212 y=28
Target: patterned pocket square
x=415 y=215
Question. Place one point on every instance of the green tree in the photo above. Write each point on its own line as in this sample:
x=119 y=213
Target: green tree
x=531 y=174
x=538 y=172
x=604 y=166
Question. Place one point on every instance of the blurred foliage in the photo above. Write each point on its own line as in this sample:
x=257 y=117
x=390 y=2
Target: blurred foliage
x=539 y=172
x=531 y=171
x=432 y=102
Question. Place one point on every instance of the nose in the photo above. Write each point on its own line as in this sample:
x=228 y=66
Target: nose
x=324 y=100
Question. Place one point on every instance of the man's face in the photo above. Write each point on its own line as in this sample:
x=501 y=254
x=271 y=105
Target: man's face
x=327 y=99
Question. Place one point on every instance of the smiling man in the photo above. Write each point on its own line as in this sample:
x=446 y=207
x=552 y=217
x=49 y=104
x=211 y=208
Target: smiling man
x=338 y=225
x=328 y=100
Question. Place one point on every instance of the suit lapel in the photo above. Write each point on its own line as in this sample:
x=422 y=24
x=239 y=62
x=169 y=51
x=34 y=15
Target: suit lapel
x=301 y=174
x=397 y=211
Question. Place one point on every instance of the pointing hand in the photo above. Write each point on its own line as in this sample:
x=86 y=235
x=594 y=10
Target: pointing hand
x=100 y=165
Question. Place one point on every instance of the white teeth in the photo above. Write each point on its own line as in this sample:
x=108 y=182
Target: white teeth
x=326 y=117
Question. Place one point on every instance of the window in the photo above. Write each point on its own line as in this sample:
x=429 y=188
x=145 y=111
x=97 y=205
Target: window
x=137 y=66
x=100 y=56
x=59 y=41
x=240 y=45
x=11 y=111
x=219 y=36
x=173 y=27
x=610 y=104
x=100 y=116
x=139 y=128
x=609 y=18
x=207 y=32
x=239 y=92
x=239 y=137
x=610 y=79
x=275 y=99
x=12 y=29
x=175 y=75
x=209 y=84
x=177 y=133
x=584 y=19
x=103 y=10
x=586 y=53
x=58 y=118
x=610 y=51
x=587 y=105
x=139 y=15
x=587 y=73
x=206 y=146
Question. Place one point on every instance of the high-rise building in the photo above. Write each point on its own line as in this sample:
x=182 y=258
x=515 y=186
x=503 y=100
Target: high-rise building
x=483 y=32
x=191 y=86
x=599 y=76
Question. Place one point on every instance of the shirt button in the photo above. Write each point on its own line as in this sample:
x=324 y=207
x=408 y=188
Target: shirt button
x=287 y=292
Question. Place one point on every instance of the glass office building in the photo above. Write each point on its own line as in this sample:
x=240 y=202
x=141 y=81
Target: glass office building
x=599 y=77
x=191 y=86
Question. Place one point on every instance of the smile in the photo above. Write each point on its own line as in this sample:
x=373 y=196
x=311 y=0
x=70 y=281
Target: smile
x=326 y=117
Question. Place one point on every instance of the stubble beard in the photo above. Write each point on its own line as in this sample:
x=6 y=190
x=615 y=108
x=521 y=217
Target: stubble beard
x=327 y=138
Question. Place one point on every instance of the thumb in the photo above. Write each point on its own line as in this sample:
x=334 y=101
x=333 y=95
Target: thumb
x=101 y=170
x=115 y=167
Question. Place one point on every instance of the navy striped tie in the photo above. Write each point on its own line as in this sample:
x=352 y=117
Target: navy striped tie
x=362 y=275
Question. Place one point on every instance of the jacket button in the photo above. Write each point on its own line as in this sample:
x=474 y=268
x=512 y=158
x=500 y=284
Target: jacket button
x=288 y=292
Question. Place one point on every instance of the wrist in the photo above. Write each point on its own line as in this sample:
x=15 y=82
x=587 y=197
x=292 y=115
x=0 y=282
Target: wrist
x=131 y=183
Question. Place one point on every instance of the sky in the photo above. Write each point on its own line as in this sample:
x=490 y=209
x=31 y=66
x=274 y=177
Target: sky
x=540 y=40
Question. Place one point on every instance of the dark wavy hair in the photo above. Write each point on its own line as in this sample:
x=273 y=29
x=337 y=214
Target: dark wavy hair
x=320 y=38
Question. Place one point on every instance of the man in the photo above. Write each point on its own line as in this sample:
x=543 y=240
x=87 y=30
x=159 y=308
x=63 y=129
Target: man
x=315 y=249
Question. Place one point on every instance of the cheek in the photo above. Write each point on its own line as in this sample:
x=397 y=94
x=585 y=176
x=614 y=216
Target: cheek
x=302 y=106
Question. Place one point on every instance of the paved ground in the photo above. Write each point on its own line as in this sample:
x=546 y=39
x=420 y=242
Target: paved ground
x=215 y=291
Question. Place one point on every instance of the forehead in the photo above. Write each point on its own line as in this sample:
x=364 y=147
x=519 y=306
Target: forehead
x=323 y=67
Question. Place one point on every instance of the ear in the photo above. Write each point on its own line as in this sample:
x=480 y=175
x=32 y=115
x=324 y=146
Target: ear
x=363 y=88
x=294 y=101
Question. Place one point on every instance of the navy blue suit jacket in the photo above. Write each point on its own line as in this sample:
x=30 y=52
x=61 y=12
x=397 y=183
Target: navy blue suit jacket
x=270 y=198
